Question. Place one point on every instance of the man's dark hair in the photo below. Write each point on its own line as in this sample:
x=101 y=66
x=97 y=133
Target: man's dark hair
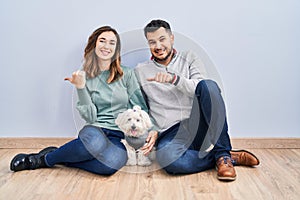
x=156 y=24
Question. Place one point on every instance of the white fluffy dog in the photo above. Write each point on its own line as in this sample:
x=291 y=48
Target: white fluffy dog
x=135 y=124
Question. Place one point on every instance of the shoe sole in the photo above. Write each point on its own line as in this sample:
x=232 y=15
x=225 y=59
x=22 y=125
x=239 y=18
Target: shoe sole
x=226 y=178
x=249 y=153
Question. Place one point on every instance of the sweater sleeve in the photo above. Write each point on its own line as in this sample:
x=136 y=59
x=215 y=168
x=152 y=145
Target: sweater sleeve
x=85 y=106
x=196 y=73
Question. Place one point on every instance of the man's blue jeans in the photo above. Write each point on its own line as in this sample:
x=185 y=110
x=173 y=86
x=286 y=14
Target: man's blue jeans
x=195 y=144
x=96 y=150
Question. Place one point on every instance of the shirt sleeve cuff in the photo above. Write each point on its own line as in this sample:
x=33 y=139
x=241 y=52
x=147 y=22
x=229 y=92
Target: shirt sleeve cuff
x=175 y=79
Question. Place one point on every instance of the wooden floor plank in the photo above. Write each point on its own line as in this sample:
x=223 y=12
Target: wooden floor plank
x=277 y=177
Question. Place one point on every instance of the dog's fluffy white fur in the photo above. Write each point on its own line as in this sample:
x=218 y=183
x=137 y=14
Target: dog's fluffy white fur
x=135 y=124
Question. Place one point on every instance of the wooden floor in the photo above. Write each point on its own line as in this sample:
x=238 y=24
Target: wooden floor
x=277 y=177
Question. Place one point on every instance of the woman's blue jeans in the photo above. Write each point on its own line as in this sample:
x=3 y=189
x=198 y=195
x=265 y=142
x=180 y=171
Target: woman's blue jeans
x=96 y=150
x=195 y=144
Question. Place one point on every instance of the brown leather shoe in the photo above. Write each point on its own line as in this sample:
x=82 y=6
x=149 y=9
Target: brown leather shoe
x=225 y=169
x=243 y=157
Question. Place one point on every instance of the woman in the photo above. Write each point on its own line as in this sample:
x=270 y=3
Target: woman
x=105 y=89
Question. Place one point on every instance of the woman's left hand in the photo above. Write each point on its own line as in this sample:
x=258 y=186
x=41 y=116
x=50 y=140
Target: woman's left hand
x=150 y=142
x=78 y=79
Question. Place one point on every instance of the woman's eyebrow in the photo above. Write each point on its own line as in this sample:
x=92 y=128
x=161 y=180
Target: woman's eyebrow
x=103 y=38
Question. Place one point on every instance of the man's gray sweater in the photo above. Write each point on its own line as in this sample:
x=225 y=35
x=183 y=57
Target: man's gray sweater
x=170 y=103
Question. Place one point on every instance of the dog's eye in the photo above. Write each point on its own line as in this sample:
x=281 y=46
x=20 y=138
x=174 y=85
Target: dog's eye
x=129 y=119
x=137 y=120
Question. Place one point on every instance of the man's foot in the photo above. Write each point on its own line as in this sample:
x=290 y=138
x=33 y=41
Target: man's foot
x=243 y=157
x=30 y=161
x=225 y=169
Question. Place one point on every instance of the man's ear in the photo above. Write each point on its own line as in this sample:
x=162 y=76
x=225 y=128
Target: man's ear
x=172 y=38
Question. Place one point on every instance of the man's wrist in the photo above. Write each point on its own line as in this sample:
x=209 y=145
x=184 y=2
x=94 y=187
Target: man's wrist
x=175 y=79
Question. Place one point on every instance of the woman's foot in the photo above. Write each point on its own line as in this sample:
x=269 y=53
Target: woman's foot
x=30 y=161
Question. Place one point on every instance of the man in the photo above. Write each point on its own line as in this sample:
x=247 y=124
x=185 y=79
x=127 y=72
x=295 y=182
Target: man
x=187 y=110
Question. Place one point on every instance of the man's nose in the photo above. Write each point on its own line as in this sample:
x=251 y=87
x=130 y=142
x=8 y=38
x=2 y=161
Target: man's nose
x=158 y=45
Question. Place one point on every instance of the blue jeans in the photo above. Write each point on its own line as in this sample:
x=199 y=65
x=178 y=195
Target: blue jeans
x=195 y=144
x=96 y=150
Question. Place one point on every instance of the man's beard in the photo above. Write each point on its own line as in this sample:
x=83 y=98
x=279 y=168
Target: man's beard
x=165 y=58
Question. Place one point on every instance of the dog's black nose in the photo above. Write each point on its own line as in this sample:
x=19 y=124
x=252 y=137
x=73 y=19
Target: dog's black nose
x=133 y=127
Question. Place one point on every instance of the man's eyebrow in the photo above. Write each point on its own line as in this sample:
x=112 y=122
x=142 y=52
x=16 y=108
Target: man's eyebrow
x=158 y=38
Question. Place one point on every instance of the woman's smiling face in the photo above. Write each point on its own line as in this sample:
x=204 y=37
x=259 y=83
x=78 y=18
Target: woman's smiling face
x=106 y=45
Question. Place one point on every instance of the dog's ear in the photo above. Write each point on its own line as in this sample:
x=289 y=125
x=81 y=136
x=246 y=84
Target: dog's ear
x=146 y=119
x=120 y=119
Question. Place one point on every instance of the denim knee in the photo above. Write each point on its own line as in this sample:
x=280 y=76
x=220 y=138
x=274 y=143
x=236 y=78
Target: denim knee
x=93 y=139
x=207 y=86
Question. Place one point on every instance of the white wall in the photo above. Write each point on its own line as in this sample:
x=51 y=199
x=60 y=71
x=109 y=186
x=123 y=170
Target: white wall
x=253 y=44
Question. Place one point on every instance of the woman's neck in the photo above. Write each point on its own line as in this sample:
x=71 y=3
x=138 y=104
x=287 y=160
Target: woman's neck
x=104 y=64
